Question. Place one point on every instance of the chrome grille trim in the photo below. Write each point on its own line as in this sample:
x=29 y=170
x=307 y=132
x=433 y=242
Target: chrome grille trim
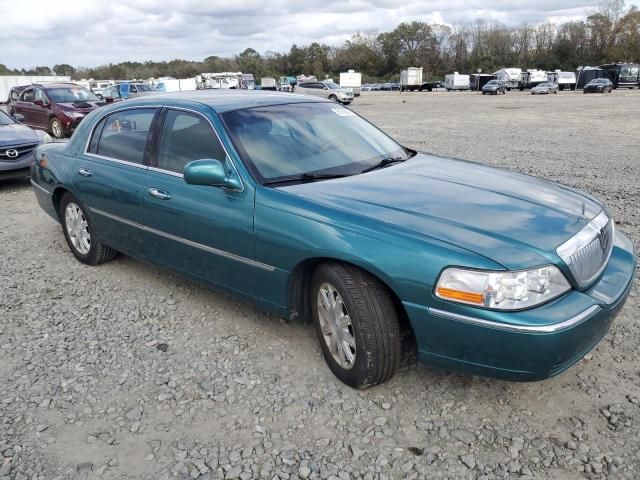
x=587 y=252
x=22 y=151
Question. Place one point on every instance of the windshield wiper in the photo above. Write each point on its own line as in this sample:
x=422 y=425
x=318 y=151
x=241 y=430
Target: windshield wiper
x=383 y=163
x=307 y=177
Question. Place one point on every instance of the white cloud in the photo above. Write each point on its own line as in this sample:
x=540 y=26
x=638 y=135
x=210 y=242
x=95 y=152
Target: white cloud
x=90 y=33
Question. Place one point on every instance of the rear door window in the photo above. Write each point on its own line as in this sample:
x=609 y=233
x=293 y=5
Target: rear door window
x=186 y=137
x=124 y=135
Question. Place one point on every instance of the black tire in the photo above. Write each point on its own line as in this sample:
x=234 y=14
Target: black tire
x=56 y=128
x=333 y=98
x=374 y=324
x=98 y=252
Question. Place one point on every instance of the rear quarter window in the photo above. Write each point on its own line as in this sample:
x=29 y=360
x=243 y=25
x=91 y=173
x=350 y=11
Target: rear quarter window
x=123 y=135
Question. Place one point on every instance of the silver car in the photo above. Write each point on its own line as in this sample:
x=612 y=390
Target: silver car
x=545 y=88
x=326 y=89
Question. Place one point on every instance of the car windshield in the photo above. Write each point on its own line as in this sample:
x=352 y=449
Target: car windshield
x=331 y=85
x=545 y=85
x=71 y=94
x=282 y=142
x=492 y=82
x=5 y=119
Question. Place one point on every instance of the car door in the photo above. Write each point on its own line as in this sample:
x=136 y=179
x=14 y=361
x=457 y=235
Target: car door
x=203 y=231
x=110 y=175
x=24 y=106
x=41 y=109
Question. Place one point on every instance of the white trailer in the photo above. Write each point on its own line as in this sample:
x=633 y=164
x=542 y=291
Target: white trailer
x=510 y=77
x=565 y=80
x=268 y=83
x=353 y=80
x=221 y=80
x=532 y=78
x=175 y=84
x=7 y=82
x=456 y=81
x=411 y=79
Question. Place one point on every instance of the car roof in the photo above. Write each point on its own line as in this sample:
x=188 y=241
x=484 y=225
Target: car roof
x=227 y=100
x=56 y=85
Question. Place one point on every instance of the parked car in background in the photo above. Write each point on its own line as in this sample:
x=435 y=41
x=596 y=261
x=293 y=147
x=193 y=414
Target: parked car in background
x=17 y=145
x=430 y=86
x=325 y=89
x=598 y=85
x=124 y=90
x=494 y=87
x=55 y=107
x=306 y=209
x=545 y=88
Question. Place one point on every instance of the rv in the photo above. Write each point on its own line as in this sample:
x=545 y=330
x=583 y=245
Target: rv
x=226 y=80
x=623 y=75
x=455 y=81
x=411 y=79
x=169 y=84
x=585 y=74
x=509 y=76
x=565 y=80
x=353 y=80
x=532 y=78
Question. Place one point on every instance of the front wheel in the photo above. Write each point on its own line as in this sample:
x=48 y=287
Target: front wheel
x=79 y=233
x=333 y=98
x=57 y=130
x=356 y=323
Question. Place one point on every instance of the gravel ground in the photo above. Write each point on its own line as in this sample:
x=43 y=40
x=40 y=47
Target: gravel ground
x=126 y=371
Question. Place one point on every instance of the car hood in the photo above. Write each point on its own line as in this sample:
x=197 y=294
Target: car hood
x=82 y=106
x=16 y=134
x=515 y=220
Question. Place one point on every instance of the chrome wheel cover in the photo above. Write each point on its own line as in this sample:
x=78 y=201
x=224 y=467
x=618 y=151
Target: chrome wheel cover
x=56 y=128
x=336 y=326
x=77 y=228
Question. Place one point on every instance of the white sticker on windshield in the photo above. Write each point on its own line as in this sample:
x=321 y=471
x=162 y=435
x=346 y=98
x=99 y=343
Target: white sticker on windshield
x=343 y=112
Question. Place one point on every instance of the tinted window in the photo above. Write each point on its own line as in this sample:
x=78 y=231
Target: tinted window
x=186 y=137
x=124 y=135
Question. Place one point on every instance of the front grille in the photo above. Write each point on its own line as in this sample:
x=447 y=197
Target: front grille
x=587 y=253
x=16 y=153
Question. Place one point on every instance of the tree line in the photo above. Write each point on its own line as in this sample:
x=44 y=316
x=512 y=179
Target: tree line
x=610 y=33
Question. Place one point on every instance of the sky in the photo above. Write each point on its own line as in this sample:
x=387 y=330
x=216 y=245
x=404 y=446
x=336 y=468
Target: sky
x=92 y=32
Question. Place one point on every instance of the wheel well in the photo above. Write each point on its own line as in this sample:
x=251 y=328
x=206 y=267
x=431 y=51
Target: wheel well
x=58 y=193
x=300 y=304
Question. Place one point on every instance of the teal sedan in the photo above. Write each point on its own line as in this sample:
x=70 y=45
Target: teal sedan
x=309 y=211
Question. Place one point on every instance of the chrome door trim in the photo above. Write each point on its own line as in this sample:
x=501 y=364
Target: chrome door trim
x=115 y=160
x=553 y=328
x=39 y=187
x=206 y=248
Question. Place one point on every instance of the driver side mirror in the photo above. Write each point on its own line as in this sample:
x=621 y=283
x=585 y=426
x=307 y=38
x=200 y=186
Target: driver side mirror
x=211 y=173
x=40 y=103
x=18 y=117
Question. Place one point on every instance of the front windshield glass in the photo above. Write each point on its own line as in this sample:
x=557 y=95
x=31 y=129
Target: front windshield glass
x=71 y=94
x=5 y=119
x=492 y=82
x=282 y=142
x=331 y=85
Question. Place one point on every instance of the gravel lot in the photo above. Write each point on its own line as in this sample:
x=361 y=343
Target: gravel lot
x=127 y=371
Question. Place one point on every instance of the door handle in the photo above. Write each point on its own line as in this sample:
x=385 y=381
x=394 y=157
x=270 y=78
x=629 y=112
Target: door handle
x=85 y=173
x=159 y=194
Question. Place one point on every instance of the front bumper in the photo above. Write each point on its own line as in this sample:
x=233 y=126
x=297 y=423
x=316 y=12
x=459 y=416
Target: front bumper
x=528 y=345
x=16 y=169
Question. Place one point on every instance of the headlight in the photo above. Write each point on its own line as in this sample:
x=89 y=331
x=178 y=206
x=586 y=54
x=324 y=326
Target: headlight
x=44 y=137
x=503 y=290
x=72 y=114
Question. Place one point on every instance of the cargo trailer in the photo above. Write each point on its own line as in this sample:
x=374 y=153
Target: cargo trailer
x=585 y=74
x=353 y=80
x=268 y=83
x=455 y=81
x=479 y=80
x=411 y=79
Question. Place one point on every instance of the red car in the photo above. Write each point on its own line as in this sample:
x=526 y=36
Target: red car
x=54 y=107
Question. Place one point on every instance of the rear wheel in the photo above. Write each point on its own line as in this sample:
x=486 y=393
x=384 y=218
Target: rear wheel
x=57 y=130
x=79 y=233
x=356 y=323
